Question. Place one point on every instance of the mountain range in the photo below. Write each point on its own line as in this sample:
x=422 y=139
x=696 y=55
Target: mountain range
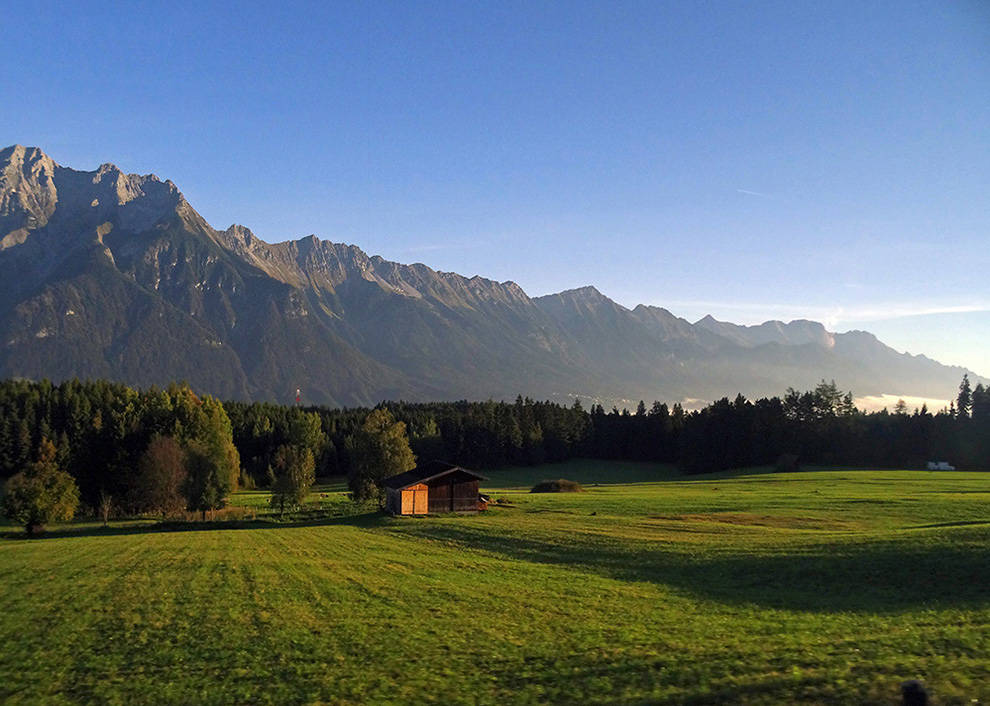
x=113 y=275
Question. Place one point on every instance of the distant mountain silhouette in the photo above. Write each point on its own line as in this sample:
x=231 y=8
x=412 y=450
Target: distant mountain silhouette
x=106 y=274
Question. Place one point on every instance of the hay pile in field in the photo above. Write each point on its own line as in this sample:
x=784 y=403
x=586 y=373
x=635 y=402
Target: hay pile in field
x=561 y=485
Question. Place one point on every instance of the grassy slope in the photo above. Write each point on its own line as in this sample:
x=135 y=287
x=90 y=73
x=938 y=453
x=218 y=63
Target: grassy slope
x=818 y=587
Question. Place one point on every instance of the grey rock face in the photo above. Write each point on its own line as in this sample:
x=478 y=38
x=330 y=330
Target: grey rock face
x=28 y=196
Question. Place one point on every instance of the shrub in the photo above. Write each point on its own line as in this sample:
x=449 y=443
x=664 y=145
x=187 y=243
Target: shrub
x=561 y=485
x=231 y=513
x=41 y=493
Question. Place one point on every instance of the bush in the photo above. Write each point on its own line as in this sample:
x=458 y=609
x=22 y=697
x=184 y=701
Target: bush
x=561 y=485
x=41 y=493
x=231 y=513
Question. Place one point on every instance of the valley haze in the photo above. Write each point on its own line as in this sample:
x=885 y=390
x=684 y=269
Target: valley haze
x=107 y=274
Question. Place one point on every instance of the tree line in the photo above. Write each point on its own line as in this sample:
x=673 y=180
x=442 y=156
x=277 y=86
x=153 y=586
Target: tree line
x=169 y=450
x=819 y=426
x=141 y=451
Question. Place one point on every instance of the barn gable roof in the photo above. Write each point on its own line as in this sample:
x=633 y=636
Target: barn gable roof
x=424 y=473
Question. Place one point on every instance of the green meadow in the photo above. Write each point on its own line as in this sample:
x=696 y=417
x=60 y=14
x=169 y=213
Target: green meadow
x=819 y=587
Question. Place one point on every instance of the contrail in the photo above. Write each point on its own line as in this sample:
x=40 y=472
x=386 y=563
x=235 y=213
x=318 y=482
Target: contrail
x=757 y=193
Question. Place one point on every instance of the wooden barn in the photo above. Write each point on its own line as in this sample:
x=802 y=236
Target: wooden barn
x=432 y=488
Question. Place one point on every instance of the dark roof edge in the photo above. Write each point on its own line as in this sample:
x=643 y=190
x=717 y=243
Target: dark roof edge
x=416 y=480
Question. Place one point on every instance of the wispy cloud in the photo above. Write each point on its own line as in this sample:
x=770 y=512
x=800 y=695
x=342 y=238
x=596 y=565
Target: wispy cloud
x=434 y=247
x=758 y=312
x=753 y=312
x=905 y=309
x=757 y=193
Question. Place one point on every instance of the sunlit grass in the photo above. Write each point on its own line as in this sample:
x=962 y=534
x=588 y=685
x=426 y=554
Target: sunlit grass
x=755 y=588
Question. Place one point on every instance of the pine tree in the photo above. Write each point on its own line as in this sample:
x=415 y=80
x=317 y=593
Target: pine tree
x=980 y=402
x=964 y=401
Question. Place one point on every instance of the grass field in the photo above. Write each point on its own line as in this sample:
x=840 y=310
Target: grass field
x=824 y=587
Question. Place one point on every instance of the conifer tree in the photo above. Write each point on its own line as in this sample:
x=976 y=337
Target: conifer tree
x=964 y=401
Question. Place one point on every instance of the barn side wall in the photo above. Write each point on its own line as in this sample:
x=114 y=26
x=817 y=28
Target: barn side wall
x=447 y=495
x=393 y=501
x=466 y=497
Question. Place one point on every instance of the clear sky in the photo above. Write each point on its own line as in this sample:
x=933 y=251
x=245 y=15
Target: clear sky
x=752 y=160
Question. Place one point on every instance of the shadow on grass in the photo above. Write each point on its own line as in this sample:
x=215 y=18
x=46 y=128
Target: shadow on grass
x=365 y=520
x=628 y=679
x=883 y=577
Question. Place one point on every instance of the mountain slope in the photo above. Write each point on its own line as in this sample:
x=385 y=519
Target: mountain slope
x=106 y=274
x=804 y=352
x=115 y=275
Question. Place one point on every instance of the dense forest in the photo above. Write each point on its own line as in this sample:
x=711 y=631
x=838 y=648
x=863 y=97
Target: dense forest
x=820 y=426
x=119 y=443
x=107 y=436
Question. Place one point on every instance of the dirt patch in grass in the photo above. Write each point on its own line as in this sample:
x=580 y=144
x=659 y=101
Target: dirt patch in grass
x=776 y=521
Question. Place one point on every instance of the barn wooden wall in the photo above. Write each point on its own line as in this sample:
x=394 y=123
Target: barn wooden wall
x=454 y=497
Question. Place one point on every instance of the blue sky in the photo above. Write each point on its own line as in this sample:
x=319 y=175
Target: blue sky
x=752 y=160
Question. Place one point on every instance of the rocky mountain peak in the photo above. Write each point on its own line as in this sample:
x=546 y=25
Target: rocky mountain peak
x=120 y=189
x=795 y=333
x=35 y=190
x=657 y=311
x=241 y=233
x=20 y=155
x=586 y=304
x=28 y=195
x=587 y=293
x=514 y=289
x=581 y=299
